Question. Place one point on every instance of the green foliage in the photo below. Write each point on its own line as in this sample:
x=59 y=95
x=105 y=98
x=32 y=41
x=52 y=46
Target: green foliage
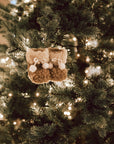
x=69 y=24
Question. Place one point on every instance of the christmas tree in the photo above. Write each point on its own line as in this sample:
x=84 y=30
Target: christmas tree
x=77 y=110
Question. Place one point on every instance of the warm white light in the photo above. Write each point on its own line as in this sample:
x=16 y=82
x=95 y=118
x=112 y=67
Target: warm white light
x=98 y=67
x=67 y=113
x=23 y=120
x=69 y=108
x=1 y=116
x=78 y=100
x=14 y=123
x=19 y=18
x=111 y=53
x=60 y=104
x=7 y=58
x=74 y=39
x=32 y=6
x=27 y=40
x=87 y=59
x=34 y=104
x=37 y=94
x=86 y=81
x=86 y=71
x=78 y=55
x=27 y=1
x=3 y=60
x=69 y=117
x=10 y=94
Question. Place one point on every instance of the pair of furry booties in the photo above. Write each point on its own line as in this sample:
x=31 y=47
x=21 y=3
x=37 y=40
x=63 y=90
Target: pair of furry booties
x=46 y=64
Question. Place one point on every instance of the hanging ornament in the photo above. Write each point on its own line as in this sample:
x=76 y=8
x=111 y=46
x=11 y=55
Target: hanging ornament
x=46 y=64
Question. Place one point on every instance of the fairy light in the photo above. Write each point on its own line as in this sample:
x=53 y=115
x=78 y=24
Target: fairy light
x=14 y=123
x=34 y=104
x=67 y=113
x=85 y=81
x=110 y=53
x=98 y=67
x=27 y=1
x=31 y=6
x=60 y=104
x=37 y=94
x=74 y=39
x=19 y=18
x=3 y=60
x=87 y=59
x=23 y=120
x=79 y=99
x=69 y=108
x=86 y=71
x=78 y=55
x=69 y=117
x=1 y=116
x=10 y=94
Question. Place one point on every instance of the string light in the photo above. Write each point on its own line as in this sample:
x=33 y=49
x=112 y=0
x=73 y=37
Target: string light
x=1 y=116
x=85 y=81
x=111 y=53
x=86 y=71
x=98 y=67
x=34 y=104
x=69 y=108
x=3 y=60
x=74 y=39
x=37 y=94
x=67 y=113
x=78 y=55
x=10 y=94
x=14 y=123
x=60 y=104
x=78 y=100
x=69 y=117
x=87 y=59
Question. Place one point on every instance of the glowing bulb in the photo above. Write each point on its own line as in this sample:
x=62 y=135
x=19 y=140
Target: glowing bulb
x=87 y=59
x=14 y=123
x=37 y=94
x=27 y=40
x=32 y=6
x=1 y=116
x=34 y=104
x=27 y=1
x=60 y=104
x=23 y=120
x=10 y=94
x=3 y=60
x=78 y=100
x=19 y=18
x=86 y=81
x=69 y=108
x=86 y=71
x=78 y=55
x=111 y=53
x=98 y=67
x=69 y=117
x=7 y=58
x=67 y=113
x=74 y=39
